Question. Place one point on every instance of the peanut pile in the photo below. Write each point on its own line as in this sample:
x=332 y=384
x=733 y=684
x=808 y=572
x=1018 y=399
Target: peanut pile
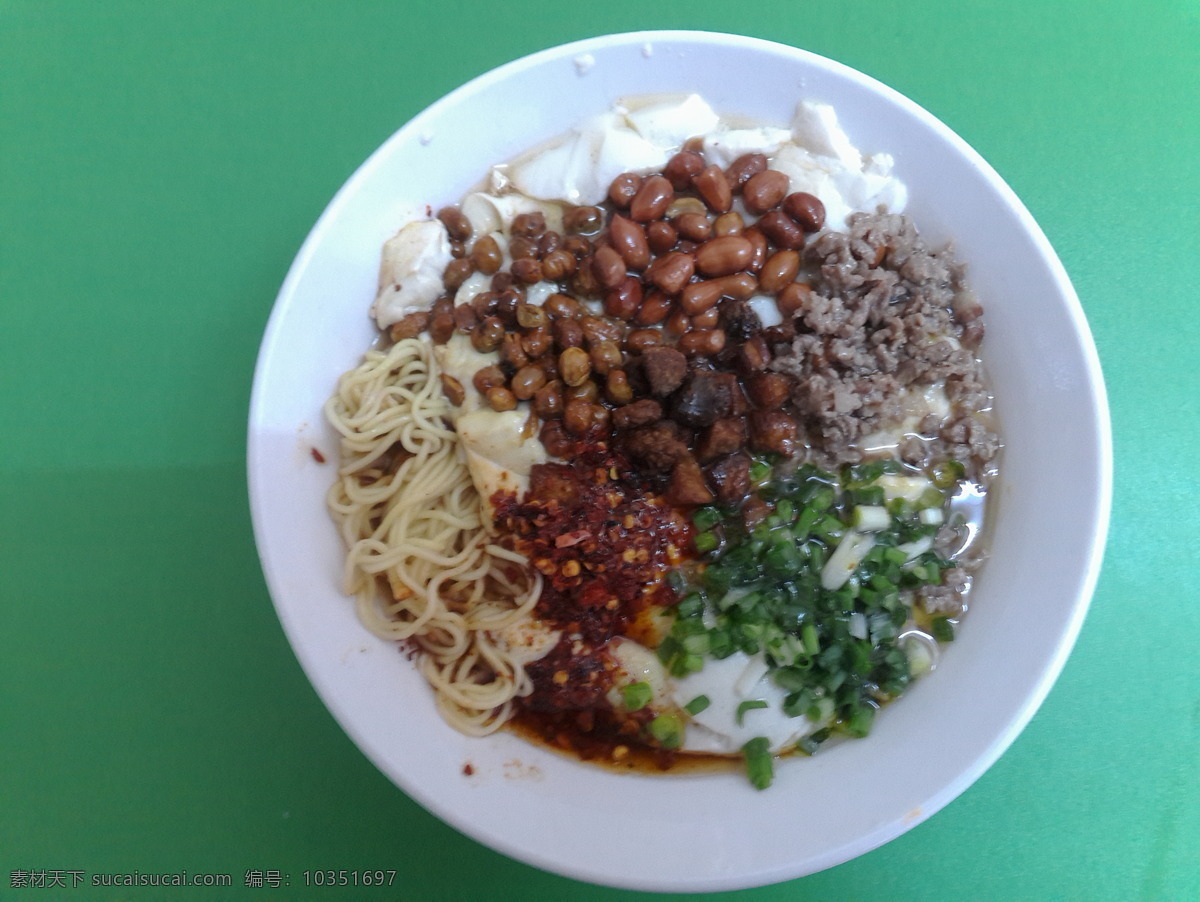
x=649 y=340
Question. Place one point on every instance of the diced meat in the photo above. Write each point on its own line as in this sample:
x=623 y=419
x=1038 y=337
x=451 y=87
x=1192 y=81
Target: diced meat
x=553 y=482
x=724 y=436
x=664 y=369
x=729 y=478
x=739 y=320
x=639 y=413
x=656 y=446
x=687 y=485
x=706 y=397
x=768 y=390
x=773 y=431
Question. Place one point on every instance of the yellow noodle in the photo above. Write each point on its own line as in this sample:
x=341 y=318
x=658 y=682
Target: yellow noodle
x=420 y=561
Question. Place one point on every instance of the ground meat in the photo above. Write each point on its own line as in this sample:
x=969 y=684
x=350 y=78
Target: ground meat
x=887 y=313
x=656 y=446
x=948 y=597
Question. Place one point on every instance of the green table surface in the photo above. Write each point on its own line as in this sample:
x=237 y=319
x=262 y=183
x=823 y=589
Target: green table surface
x=160 y=165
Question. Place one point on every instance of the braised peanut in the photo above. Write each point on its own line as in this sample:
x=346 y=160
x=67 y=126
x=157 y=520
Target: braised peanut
x=723 y=256
x=558 y=264
x=608 y=267
x=654 y=309
x=671 y=272
x=702 y=342
x=578 y=416
x=574 y=366
x=527 y=381
x=745 y=166
x=707 y=319
x=486 y=255
x=652 y=199
x=661 y=236
x=537 y=342
x=457 y=272
x=501 y=399
x=567 y=333
x=487 y=378
x=640 y=339
x=793 y=299
x=730 y=223
x=465 y=319
x=712 y=185
x=617 y=388
x=806 y=210
x=453 y=390
x=527 y=270
x=694 y=226
x=458 y=227
x=782 y=229
x=583 y=220
x=548 y=400
x=411 y=326
x=623 y=189
x=629 y=240
x=764 y=190
x=563 y=306
x=528 y=225
x=682 y=167
x=624 y=300
x=779 y=270
x=605 y=356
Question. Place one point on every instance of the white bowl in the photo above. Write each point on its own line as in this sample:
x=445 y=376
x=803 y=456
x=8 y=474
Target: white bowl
x=697 y=832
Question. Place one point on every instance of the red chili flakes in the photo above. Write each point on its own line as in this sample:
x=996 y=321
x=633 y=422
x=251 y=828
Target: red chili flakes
x=600 y=537
x=317 y=455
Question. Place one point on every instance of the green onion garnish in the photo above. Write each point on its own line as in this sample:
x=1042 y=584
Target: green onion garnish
x=667 y=729
x=751 y=705
x=760 y=768
x=706 y=518
x=942 y=629
x=821 y=583
x=706 y=541
x=637 y=696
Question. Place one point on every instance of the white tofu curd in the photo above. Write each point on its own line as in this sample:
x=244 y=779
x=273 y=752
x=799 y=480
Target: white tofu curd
x=410 y=273
x=669 y=121
x=638 y=664
x=498 y=451
x=728 y=682
x=499 y=454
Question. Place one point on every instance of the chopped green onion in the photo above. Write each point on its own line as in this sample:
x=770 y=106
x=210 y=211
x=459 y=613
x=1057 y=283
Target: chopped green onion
x=751 y=705
x=696 y=705
x=871 y=518
x=697 y=644
x=706 y=541
x=942 y=629
x=637 y=696
x=760 y=471
x=808 y=635
x=668 y=730
x=946 y=475
x=760 y=767
x=859 y=724
x=691 y=605
x=707 y=518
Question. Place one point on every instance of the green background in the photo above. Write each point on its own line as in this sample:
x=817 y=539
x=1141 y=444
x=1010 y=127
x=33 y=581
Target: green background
x=160 y=165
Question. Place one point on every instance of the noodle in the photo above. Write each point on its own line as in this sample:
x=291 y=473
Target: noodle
x=421 y=563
